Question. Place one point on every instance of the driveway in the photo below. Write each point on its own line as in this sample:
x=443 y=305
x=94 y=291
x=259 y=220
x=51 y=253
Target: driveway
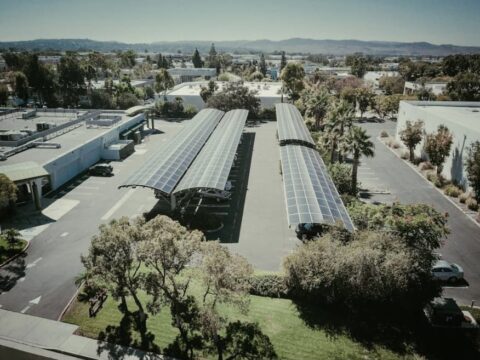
x=387 y=173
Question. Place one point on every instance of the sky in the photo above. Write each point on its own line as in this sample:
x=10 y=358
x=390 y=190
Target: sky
x=143 y=21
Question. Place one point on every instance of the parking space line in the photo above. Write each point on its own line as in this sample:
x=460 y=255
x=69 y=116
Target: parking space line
x=119 y=203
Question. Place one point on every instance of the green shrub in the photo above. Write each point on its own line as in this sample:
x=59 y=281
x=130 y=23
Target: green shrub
x=269 y=285
x=432 y=176
x=341 y=175
x=452 y=190
x=383 y=134
x=472 y=204
x=463 y=197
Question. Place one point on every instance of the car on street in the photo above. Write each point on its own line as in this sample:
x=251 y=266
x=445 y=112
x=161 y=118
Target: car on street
x=101 y=170
x=445 y=313
x=445 y=271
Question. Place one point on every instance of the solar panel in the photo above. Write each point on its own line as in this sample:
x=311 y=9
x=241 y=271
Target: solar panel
x=310 y=193
x=291 y=127
x=211 y=167
x=164 y=169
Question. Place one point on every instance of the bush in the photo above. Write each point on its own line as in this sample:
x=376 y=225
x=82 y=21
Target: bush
x=426 y=166
x=472 y=204
x=452 y=190
x=190 y=111
x=383 y=134
x=269 y=285
x=267 y=114
x=341 y=175
x=417 y=161
x=432 y=176
x=405 y=155
x=395 y=145
x=464 y=197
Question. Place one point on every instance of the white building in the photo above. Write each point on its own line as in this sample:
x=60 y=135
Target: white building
x=181 y=75
x=436 y=87
x=461 y=118
x=372 y=78
x=269 y=93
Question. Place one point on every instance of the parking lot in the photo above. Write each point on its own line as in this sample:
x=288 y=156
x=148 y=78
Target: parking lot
x=254 y=222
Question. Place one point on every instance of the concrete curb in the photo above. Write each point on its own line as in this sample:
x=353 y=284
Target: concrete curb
x=414 y=168
x=16 y=256
x=70 y=302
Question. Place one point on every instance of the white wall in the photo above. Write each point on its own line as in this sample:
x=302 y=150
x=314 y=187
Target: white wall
x=462 y=136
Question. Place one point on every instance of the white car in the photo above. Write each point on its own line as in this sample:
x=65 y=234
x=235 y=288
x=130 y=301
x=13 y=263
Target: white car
x=445 y=271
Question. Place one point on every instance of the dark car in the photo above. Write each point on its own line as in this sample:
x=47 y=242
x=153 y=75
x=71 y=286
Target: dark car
x=308 y=231
x=101 y=170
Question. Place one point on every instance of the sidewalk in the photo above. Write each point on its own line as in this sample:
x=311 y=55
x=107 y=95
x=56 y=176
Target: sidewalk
x=43 y=339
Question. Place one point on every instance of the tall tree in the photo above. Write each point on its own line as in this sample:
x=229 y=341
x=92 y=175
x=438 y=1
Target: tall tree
x=71 y=79
x=263 y=65
x=438 y=145
x=113 y=259
x=357 y=143
x=411 y=136
x=207 y=92
x=235 y=96
x=8 y=192
x=21 y=85
x=196 y=59
x=465 y=87
x=163 y=82
x=339 y=118
x=472 y=165
x=292 y=76
x=3 y=94
x=212 y=59
x=364 y=97
x=283 y=61
x=316 y=104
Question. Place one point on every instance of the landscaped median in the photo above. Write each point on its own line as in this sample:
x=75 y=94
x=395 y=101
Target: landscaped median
x=280 y=319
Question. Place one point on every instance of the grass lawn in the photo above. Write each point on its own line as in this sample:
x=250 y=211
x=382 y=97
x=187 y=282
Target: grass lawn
x=7 y=252
x=278 y=318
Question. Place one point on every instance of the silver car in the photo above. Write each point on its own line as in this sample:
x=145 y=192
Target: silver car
x=445 y=271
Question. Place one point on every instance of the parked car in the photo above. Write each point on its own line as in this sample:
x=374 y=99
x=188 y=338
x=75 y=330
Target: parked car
x=445 y=313
x=101 y=170
x=445 y=271
x=308 y=231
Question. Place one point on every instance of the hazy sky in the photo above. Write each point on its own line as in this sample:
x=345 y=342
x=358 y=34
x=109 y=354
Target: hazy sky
x=437 y=21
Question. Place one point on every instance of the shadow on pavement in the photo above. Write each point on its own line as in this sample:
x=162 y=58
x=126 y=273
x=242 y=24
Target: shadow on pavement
x=12 y=272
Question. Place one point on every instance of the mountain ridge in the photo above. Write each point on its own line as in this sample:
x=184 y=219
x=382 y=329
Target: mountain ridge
x=292 y=45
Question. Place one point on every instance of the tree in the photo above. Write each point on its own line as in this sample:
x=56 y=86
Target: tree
x=358 y=66
x=292 y=76
x=339 y=118
x=391 y=84
x=373 y=268
x=464 y=87
x=235 y=96
x=316 y=104
x=163 y=82
x=3 y=94
x=127 y=59
x=472 y=165
x=437 y=147
x=263 y=65
x=424 y=94
x=411 y=136
x=364 y=97
x=212 y=59
x=283 y=61
x=167 y=251
x=71 y=79
x=126 y=100
x=358 y=143
x=101 y=99
x=21 y=85
x=149 y=92
x=114 y=261
x=12 y=236
x=207 y=92
x=197 y=60
x=386 y=105
x=8 y=192
x=162 y=62
x=341 y=175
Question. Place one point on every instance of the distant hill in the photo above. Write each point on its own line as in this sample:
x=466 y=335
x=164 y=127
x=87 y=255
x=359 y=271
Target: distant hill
x=294 y=45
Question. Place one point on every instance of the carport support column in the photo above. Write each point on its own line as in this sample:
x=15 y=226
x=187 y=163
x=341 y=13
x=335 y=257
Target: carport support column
x=173 y=202
x=37 y=192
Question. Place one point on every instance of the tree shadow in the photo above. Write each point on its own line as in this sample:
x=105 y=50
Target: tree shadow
x=12 y=272
x=119 y=343
x=387 y=326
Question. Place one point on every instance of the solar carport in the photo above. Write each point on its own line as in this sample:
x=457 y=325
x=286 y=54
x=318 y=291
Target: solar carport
x=199 y=156
x=310 y=193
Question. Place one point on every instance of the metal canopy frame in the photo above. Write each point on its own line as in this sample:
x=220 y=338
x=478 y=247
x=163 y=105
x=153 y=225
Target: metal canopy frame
x=310 y=193
x=212 y=166
x=291 y=127
x=164 y=169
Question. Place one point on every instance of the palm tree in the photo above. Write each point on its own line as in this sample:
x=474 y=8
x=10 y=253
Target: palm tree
x=358 y=143
x=339 y=118
x=317 y=105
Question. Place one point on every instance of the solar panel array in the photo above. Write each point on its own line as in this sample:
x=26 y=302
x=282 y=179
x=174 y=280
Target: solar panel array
x=291 y=127
x=164 y=169
x=309 y=191
x=212 y=166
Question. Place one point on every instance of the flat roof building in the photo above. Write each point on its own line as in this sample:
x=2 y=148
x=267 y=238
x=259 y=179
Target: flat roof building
x=461 y=118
